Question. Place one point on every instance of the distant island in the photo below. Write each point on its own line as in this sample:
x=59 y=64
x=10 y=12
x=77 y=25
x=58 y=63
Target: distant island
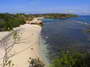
x=9 y=21
x=55 y=15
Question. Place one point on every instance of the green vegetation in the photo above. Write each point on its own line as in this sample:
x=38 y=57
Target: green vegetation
x=88 y=30
x=8 y=21
x=55 y=15
x=72 y=59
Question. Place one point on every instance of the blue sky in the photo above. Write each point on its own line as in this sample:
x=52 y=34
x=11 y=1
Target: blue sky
x=45 y=6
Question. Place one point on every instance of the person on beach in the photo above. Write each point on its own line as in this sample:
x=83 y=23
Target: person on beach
x=31 y=62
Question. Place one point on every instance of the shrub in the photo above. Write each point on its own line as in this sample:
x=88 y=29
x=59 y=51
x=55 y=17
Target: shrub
x=71 y=59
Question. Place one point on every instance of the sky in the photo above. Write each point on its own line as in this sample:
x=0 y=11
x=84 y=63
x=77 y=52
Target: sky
x=45 y=6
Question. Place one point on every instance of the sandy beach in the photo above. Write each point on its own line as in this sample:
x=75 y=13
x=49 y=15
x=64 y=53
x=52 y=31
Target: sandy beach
x=27 y=46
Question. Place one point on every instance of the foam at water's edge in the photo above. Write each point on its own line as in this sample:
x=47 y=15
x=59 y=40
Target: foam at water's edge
x=44 y=51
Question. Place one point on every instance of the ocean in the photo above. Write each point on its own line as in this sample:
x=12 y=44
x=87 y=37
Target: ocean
x=63 y=34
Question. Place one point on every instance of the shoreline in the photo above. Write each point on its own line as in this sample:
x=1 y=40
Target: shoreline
x=28 y=46
x=44 y=51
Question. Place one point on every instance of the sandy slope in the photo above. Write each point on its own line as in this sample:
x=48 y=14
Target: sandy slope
x=28 y=45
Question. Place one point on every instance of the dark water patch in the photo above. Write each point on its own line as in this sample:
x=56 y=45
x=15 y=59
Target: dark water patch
x=65 y=34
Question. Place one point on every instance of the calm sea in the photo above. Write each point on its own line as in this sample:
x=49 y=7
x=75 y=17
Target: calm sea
x=66 y=33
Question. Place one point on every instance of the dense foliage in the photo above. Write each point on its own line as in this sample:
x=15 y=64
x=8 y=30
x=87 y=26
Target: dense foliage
x=8 y=21
x=72 y=59
x=55 y=15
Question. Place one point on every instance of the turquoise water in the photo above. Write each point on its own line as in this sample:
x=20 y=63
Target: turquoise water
x=66 y=33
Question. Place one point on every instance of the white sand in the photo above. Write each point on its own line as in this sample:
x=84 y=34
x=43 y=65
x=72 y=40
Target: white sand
x=28 y=45
x=3 y=34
